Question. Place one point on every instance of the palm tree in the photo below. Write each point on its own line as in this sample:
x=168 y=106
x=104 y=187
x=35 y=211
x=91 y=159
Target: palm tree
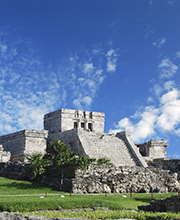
x=36 y=165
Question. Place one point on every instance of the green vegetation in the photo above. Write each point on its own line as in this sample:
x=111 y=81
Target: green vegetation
x=104 y=160
x=20 y=187
x=58 y=155
x=52 y=202
x=32 y=198
x=28 y=198
x=36 y=166
x=110 y=214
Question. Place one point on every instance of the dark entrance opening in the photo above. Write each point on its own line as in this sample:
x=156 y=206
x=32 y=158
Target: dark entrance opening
x=90 y=126
x=75 y=124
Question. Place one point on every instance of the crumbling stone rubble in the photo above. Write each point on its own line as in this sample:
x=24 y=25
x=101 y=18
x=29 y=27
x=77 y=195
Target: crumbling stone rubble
x=163 y=205
x=111 y=179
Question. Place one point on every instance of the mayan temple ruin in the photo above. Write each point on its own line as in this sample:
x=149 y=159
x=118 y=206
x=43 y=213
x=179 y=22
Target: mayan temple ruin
x=83 y=131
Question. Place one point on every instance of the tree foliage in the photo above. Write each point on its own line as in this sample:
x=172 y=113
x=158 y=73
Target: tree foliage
x=104 y=160
x=62 y=156
x=58 y=155
x=36 y=165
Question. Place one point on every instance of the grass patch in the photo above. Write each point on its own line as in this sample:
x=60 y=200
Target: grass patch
x=98 y=214
x=112 y=202
x=24 y=187
x=29 y=204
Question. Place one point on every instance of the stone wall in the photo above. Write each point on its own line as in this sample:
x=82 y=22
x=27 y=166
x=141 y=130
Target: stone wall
x=24 y=142
x=153 y=149
x=13 y=170
x=101 y=179
x=164 y=205
x=83 y=131
x=167 y=164
x=15 y=216
x=118 y=148
x=4 y=155
x=68 y=119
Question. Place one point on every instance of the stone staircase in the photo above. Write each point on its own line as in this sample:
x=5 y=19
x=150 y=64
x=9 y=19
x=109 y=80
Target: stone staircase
x=107 y=145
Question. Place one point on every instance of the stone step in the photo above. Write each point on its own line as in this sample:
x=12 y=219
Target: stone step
x=107 y=145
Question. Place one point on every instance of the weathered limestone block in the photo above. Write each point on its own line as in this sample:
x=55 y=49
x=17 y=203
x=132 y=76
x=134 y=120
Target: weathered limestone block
x=124 y=180
x=101 y=179
x=68 y=119
x=4 y=155
x=153 y=149
x=167 y=164
x=118 y=148
x=10 y=216
x=25 y=142
x=36 y=218
x=14 y=216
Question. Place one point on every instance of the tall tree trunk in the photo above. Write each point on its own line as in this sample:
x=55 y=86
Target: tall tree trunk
x=62 y=180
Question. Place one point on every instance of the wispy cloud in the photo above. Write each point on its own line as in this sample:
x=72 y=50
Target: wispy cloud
x=114 y=23
x=88 y=68
x=178 y=54
x=149 y=31
x=112 y=59
x=157 y=89
x=171 y=2
x=29 y=88
x=161 y=116
x=160 y=42
x=82 y=101
x=166 y=68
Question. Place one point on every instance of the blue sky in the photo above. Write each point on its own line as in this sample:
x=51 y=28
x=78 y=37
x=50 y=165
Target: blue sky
x=121 y=57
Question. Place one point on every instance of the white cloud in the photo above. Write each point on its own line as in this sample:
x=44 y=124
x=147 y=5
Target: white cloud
x=110 y=53
x=154 y=121
x=178 y=54
x=142 y=129
x=160 y=42
x=177 y=132
x=170 y=96
x=3 y=48
x=97 y=51
x=27 y=92
x=112 y=59
x=157 y=89
x=150 y=99
x=171 y=2
x=29 y=89
x=170 y=111
x=169 y=85
x=88 y=68
x=99 y=71
x=167 y=68
x=82 y=102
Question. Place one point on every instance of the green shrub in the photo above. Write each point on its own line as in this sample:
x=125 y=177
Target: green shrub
x=58 y=155
x=104 y=160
